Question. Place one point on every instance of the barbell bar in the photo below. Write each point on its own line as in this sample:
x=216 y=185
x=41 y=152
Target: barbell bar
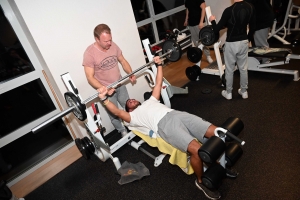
x=78 y=108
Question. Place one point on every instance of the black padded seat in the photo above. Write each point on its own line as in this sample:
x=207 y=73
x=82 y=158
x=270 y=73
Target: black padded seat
x=279 y=54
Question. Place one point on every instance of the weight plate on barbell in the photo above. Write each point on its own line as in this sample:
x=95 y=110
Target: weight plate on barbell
x=174 y=47
x=207 y=36
x=194 y=54
x=79 y=108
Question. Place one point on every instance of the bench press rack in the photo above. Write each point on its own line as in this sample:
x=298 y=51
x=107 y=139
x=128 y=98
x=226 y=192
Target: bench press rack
x=168 y=90
x=96 y=141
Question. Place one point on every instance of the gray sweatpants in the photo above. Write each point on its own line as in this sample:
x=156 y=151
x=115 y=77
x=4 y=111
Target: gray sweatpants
x=261 y=37
x=195 y=38
x=180 y=128
x=120 y=96
x=236 y=53
x=261 y=40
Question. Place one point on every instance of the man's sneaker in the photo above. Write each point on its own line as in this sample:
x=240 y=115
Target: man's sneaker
x=226 y=95
x=209 y=59
x=208 y=193
x=244 y=94
x=231 y=173
x=124 y=133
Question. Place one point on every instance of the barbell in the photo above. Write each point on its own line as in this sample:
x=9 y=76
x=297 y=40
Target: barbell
x=170 y=49
x=207 y=37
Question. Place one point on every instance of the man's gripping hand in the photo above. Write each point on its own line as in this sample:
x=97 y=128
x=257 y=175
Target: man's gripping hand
x=157 y=61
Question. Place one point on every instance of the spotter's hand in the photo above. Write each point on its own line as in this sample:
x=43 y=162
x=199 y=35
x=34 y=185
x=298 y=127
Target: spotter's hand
x=132 y=79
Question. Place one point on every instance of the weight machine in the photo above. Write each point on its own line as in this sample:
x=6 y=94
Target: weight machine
x=208 y=37
x=93 y=142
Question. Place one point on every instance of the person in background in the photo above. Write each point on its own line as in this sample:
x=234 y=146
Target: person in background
x=100 y=61
x=236 y=18
x=194 y=20
x=264 y=20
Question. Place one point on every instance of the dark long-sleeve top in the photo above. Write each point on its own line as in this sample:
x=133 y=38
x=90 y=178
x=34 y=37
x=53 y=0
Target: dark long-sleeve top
x=236 y=18
x=264 y=13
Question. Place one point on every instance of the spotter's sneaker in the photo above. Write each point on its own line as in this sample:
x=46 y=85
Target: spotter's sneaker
x=211 y=194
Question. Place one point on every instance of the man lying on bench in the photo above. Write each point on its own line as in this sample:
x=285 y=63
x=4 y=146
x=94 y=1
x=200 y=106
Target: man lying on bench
x=180 y=129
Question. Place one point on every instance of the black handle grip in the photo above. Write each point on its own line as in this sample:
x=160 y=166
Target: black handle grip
x=235 y=138
x=97 y=109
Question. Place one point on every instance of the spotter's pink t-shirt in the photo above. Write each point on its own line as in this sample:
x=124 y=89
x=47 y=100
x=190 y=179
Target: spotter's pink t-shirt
x=105 y=64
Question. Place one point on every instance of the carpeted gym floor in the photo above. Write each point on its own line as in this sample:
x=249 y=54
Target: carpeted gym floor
x=268 y=168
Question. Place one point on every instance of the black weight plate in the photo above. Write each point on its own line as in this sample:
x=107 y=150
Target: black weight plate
x=79 y=108
x=197 y=69
x=82 y=149
x=208 y=36
x=86 y=145
x=206 y=91
x=91 y=146
x=194 y=54
x=174 y=47
x=191 y=73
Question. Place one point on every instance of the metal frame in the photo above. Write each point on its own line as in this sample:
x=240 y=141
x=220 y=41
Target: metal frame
x=14 y=17
x=274 y=32
x=167 y=89
x=102 y=150
x=153 y=18
x=253 y=63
